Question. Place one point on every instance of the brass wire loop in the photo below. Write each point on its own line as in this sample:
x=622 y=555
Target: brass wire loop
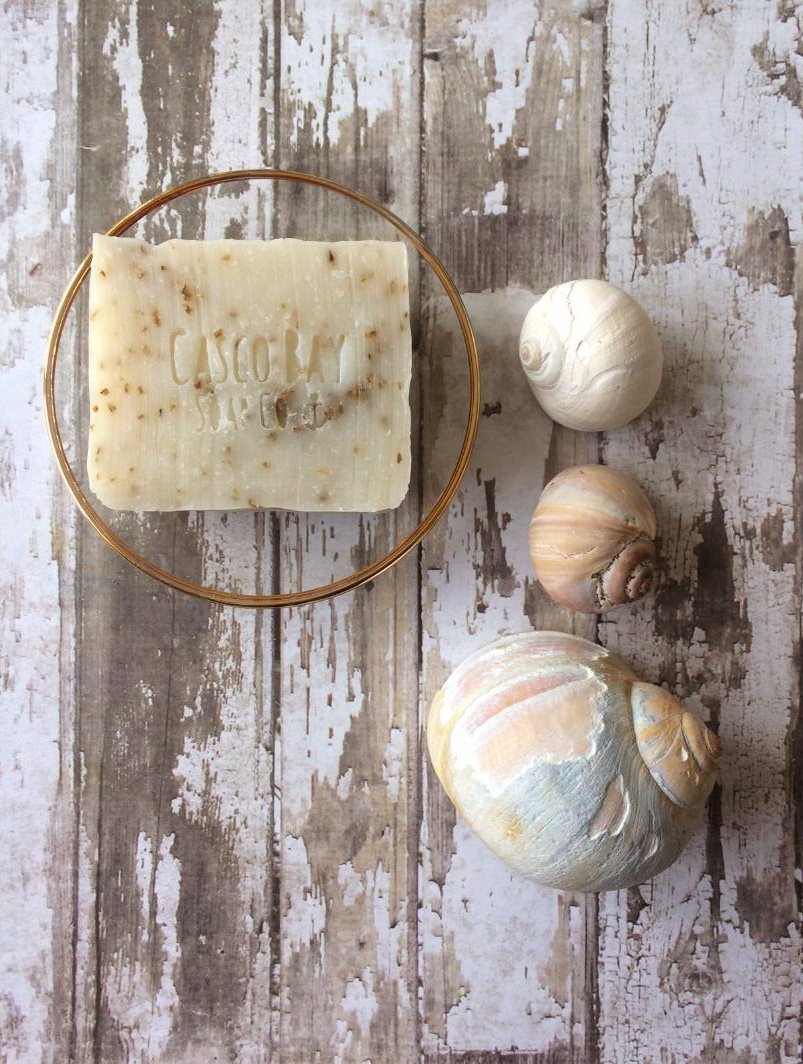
x=292 y=598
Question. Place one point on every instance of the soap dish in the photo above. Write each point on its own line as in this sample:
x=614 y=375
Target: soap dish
x=240 y=552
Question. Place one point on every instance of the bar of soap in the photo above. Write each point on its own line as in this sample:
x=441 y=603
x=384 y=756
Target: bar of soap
x=228 y=374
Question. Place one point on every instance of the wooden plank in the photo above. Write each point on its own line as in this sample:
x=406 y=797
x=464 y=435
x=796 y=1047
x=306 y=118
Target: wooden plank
x=174 y=910
x=704 y=161
x=37 y=542
x=349 y=110
x=513 y=108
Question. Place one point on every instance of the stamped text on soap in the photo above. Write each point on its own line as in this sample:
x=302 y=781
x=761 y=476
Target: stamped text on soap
x=234 y=376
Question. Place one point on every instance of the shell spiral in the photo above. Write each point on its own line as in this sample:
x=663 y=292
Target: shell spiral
x=592 y=539
x=568 y=767
x=591 y=355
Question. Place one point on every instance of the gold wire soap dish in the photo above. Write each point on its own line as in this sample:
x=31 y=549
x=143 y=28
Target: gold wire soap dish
x=335 y=586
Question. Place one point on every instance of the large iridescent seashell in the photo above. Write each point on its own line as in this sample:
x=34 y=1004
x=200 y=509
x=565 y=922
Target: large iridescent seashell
x=567 y=766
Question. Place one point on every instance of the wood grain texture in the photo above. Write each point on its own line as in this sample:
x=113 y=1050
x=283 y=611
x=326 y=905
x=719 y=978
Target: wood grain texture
x=513 y=115
x=222 y=840
x=37 y=542
x=705 y=961
x=349 y=109
x=174 y=903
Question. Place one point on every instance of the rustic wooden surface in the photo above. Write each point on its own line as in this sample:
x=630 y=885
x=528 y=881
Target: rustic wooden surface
x=221 y=840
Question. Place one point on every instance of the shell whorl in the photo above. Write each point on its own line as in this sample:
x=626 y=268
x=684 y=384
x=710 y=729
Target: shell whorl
x=680 y=752
x=592 y=539
x=541 y=350
x=629 y=575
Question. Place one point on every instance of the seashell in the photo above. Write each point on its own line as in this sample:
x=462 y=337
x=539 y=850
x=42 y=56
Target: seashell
x=591 y=355
x=568 y=767
x=592 y=539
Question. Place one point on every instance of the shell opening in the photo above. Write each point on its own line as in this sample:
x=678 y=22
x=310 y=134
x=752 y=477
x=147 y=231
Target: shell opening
x=640 y=581
x=628 y=577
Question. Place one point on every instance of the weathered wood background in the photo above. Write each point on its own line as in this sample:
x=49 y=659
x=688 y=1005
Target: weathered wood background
x=221 y=840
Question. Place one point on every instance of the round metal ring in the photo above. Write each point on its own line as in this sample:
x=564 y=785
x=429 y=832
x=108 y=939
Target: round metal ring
x=293 y=598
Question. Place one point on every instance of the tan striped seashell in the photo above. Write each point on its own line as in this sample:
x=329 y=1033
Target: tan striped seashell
x=592 y=539
x=567 y=766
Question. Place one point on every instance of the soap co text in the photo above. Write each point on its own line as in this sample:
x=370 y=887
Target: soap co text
x=233 y=376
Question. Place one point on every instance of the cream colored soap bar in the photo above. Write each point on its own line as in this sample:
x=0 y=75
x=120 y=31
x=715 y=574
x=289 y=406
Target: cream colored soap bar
x=229 y=374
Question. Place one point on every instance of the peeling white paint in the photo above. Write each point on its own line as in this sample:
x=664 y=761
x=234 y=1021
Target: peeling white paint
x=333 y=690
x=144 y=1017
x=390 y=922
x=36 y=529
x=495 y=199
x=393 y=763
x=122 y=47
x=709 y=83
x=349 y=85
x=351 y=883
x=465 y=608
x=144 y=871
x=305 y=919
x=340 y=73
x=346 y=87
x=86 y=902
x=167 y=888
x=480 y=894
x=238 y=105
x=468 y=603
x=344 y=784
x=718 y=308
x=502 y=39
x=704 y=107
x=524 y=429
x=211 y=780
x=360 y=1000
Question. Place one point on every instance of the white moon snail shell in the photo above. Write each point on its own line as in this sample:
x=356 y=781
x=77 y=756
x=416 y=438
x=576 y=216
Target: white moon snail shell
x=592 y=539
x=591 y=355
x=568 y=767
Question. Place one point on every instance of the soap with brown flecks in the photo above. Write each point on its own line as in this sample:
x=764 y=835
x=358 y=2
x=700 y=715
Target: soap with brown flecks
x=228 y=374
